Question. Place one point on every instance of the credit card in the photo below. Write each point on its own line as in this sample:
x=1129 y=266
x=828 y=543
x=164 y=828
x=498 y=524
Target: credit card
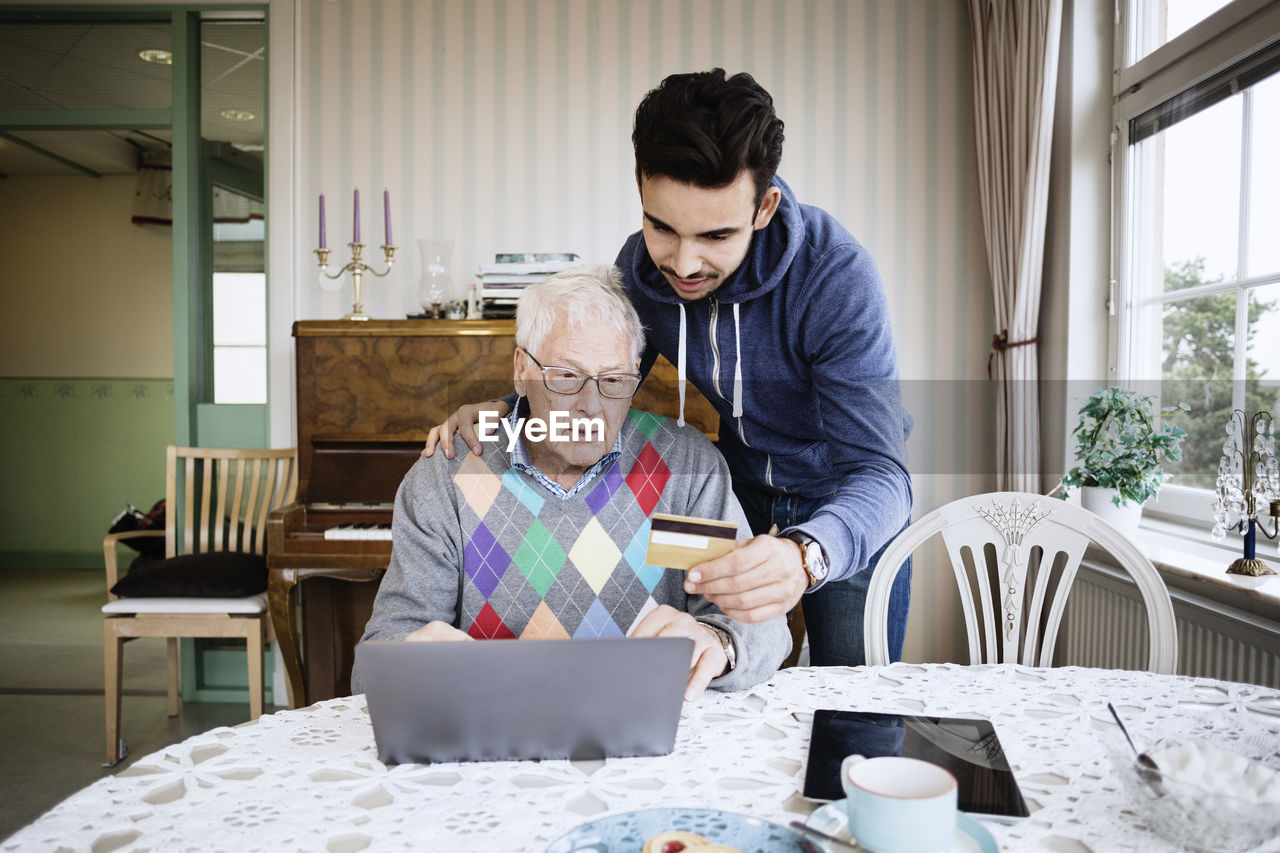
x=680 y=542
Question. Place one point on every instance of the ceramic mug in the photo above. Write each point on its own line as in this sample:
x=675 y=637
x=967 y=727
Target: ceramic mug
x=899 y=805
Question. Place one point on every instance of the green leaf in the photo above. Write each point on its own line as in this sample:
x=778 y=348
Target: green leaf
x=1118 y=445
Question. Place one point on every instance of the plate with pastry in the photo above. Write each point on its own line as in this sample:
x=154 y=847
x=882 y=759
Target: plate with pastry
x=678 y=830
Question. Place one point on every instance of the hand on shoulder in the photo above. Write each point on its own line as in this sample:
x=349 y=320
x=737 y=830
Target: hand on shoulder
x=463 y=422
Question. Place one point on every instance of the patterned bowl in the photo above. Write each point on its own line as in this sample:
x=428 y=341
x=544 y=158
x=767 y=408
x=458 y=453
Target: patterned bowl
x=1192 y=810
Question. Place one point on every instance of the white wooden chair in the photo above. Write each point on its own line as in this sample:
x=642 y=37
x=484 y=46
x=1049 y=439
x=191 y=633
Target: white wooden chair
x=1015 y=557
x=216 y=504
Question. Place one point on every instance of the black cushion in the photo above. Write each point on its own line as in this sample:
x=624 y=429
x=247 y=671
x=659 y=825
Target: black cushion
x=222 y=574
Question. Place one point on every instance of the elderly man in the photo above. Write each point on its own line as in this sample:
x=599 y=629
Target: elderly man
x=544 y=533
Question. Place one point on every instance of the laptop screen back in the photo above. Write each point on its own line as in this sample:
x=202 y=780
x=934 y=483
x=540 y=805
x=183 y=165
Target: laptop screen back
x=524 y=699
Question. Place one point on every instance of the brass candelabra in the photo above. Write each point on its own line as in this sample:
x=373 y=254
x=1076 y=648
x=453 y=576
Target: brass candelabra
x=357 y=268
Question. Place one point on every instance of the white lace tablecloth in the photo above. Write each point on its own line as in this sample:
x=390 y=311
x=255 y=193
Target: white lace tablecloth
x=310 y=779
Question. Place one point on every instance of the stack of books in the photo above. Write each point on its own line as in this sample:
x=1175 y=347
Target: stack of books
x=502 y=282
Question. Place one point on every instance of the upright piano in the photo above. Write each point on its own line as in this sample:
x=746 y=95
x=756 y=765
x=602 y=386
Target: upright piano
x=367 y=393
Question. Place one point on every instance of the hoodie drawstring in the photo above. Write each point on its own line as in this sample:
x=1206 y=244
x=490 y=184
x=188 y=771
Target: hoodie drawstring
x=680 y=367
x=737 y=367
x=681 y=376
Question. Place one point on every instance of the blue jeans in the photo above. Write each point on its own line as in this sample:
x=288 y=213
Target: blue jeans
x=833 y=613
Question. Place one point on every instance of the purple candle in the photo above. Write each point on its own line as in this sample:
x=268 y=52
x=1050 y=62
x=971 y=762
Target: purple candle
x=356 y=231
x=386 y=214
x=322 y=228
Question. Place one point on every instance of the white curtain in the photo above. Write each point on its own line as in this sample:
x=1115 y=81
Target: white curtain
x=1015 y=70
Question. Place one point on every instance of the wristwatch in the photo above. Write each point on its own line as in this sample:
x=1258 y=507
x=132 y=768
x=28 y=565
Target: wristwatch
x=812 y=559
x=726 y=642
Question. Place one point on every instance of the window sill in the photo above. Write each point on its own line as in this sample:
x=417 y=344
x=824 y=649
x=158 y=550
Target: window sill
x=1189 y=560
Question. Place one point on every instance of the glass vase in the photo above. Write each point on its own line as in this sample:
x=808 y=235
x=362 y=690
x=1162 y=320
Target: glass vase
x=435 y=287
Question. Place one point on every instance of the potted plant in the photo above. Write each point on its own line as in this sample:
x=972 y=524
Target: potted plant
x=1120 y=449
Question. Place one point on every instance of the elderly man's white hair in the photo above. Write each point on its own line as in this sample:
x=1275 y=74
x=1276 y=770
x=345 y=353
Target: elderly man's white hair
x=585 y=297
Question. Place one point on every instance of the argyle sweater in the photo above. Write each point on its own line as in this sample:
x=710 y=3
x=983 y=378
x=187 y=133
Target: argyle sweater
x=485 y=548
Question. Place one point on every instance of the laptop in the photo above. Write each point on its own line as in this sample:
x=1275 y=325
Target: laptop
x=494 y=700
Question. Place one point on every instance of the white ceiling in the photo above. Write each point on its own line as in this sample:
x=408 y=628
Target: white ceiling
x=68 y=66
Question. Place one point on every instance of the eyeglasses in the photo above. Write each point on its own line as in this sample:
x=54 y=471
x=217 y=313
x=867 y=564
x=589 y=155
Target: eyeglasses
x=566 y=380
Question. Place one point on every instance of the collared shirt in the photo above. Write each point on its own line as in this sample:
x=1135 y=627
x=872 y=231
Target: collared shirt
x=520 y=462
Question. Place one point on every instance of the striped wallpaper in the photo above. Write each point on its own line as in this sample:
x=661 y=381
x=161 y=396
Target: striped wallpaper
x=504 y=125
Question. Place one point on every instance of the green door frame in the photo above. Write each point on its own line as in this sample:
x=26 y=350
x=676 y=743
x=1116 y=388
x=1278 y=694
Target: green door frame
x=192 y=219
x=191 y=247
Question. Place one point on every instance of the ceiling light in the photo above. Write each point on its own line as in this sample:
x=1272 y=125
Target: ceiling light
x=233 y=114
x=159 y=57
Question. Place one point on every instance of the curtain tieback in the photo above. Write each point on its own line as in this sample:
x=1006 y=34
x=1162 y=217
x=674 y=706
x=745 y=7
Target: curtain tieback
x=1001 y=342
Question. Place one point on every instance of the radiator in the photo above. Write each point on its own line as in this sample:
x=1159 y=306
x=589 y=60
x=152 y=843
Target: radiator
x=1105 y=625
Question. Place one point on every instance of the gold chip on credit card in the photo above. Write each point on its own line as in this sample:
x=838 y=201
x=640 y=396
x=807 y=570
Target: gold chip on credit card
x=680 y=541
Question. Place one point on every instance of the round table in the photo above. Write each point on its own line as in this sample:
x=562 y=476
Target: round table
x=310 y=779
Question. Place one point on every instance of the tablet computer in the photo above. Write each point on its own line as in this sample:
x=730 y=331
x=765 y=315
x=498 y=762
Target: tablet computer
x=968 y=748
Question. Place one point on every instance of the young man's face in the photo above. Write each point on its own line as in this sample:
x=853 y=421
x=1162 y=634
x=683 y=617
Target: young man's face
x=697 y=237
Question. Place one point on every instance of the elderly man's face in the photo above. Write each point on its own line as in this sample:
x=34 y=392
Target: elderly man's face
x=595 y=352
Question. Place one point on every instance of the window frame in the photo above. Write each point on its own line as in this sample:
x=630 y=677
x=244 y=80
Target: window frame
x=1219 y=41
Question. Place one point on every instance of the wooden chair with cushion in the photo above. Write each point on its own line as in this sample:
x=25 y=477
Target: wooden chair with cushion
x=1015 y=557
x=213 y=580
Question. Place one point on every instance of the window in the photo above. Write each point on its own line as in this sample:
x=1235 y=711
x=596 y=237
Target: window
x=233 y=131
x=239 y=299
x=1156 y=24
x=1198 y=235
x=239 y=337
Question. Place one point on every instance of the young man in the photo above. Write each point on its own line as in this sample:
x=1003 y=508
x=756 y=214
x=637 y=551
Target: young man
x=543 y=534
x=778 y=316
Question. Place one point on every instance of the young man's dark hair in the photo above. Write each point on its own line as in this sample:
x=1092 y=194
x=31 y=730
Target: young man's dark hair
x=703 y=129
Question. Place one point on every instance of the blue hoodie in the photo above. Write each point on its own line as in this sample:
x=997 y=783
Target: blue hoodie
x=796 y=353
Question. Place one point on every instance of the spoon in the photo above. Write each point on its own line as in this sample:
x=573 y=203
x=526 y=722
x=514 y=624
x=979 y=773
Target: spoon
x=828 y=839
x=1147 y=767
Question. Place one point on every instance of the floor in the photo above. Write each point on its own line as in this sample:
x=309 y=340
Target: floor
x=51 y=705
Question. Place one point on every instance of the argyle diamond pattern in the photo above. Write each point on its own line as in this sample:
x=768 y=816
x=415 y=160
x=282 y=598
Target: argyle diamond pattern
x=648 y=477
x=524 y=490
x=649 y=605
x=635 y=554
x=570 y=597
x=489 y=626
x=544 y=626
x=484 y=561
x=628 y=595
x=539 y=557
x=598 y=623
x=477 y=484
x=515 y=599
x=594 y=555
x=540 y=566
x=600 y=496
x=647 y=422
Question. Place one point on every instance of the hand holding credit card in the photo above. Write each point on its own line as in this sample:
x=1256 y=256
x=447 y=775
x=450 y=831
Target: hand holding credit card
x=681 y=541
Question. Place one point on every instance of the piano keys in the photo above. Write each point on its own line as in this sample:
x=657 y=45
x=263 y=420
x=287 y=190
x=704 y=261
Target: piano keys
x=360 y=530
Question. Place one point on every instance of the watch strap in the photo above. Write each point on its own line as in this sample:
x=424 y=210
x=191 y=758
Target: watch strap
x=802 y=542
x=726 y=643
